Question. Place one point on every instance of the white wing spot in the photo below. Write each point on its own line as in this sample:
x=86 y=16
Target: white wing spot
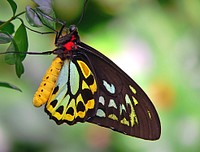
x=100 y=113
x=109 y=87
x=112 y=104
x=122 y=107
x=127 y=99
x=102 y=100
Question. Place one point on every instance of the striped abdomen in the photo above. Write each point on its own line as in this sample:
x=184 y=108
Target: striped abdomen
x=48 y=83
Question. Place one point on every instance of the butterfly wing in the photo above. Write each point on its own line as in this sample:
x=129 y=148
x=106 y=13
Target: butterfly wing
x=122 y=105
x=72 y=98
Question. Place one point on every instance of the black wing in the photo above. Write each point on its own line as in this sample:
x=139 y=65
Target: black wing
x=122 y=105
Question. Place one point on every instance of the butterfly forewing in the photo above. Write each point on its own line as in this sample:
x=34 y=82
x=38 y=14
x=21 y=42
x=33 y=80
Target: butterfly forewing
x=122 y=104
x=72 y=99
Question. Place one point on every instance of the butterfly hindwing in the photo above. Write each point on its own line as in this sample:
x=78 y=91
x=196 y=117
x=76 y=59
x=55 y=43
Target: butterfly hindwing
x=72 y=98
x=122 y=104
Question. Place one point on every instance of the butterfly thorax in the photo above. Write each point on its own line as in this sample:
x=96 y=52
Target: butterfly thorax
x=67 y=43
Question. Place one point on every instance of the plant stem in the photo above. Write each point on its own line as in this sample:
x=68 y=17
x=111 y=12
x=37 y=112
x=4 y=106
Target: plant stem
x=12 y=18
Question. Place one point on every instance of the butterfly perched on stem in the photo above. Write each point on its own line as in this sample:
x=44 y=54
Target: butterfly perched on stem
x=83 y=85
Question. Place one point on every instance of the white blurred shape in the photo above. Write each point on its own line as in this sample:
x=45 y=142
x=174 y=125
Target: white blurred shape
x=135 y=57
x=188 y=131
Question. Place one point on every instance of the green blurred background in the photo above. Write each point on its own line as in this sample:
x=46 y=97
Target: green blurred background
x=157 y=42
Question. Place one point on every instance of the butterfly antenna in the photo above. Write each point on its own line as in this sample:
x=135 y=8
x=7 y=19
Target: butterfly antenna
x=83 y=12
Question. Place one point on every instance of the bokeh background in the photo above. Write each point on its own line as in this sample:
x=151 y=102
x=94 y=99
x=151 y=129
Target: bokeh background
x=157 y=42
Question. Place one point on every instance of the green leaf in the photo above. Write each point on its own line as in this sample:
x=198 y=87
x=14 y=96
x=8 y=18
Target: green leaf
x=19 y=47
x=5 y=38
x=18 y=44
x=8 y=85
x=21 y=40
x=32 y=17
x=45 y=6
x=11 y=58
x=13 y=6
x=19 y=68
x=41 y=15
x=44 y=13
x=7 y=28
x=45 y=9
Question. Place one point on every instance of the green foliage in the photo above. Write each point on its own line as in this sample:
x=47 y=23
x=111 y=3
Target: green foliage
x=8 y=85
x=19 y=43
x=5 y=38
x=7 y=28
x=19 y=46
x=13 y=6
x=37 y=17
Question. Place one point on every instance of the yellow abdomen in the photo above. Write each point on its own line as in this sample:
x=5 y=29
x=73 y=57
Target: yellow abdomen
x=48 y=83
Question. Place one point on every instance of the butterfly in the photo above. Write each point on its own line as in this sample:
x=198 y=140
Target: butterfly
x=83 y=85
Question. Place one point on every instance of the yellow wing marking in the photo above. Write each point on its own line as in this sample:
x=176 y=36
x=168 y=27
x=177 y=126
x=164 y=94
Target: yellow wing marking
x=48 y=82
x=86 y=73
x=132 y=115
x=113 y=117
x=70 y=117
x=93 y=87
x=80 y=114
x=149 y=113
x=90 y=104
x=135 y=101
x=84 y=85
x=84 y=68
x=124 y=121
x=132 y=89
